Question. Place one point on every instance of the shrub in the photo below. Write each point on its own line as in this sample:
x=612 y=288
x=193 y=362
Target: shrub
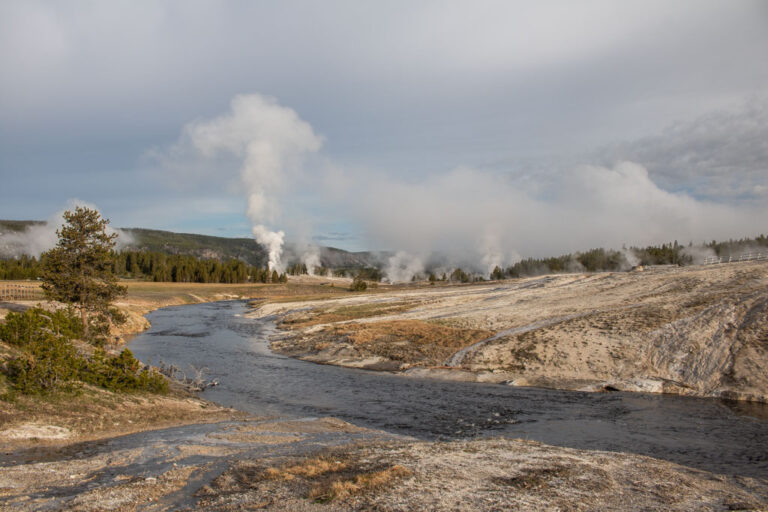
x=22 y=329
x=122 y=373
x=358 y=285
x=51 y=363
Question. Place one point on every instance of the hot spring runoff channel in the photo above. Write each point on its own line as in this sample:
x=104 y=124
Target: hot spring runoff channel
x=715 y=435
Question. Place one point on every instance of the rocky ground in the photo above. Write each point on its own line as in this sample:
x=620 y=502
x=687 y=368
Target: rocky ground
x=330 y=465
x=700 y=330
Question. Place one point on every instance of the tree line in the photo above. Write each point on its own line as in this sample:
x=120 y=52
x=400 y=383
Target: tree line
x=609 y=260
x=158 y=267
x=605 y=260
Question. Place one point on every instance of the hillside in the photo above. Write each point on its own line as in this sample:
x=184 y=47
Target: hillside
x=14 y=226
x=201 y=246
x=221 y=248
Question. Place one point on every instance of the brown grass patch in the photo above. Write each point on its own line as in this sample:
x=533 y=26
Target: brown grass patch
x=331 y=475
x=309 y=468
x=411 y=341
x=345 y=313
x=339 y=488
x=534 y=478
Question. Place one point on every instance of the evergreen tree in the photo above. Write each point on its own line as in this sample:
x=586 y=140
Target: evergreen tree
x=79 y=270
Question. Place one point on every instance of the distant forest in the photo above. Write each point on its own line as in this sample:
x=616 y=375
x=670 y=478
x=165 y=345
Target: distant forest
x=601 y=260
x=160 y=267
x=609 y=260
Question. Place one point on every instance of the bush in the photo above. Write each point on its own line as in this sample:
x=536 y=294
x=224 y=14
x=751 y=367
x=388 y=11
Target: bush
x=122 y=373
x=50 y=364
x=22 y=329
x=358 y=285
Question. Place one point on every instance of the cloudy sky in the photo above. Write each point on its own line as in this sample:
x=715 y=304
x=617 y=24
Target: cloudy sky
x=491 y=129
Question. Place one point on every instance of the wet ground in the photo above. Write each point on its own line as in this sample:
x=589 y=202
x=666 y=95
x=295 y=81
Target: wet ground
x=160 y=469
x=714 y=435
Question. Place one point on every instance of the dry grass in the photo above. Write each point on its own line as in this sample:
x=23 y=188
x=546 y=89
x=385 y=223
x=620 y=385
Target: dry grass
x=144 y=296
x=194 y=292
x=411 y=341
x=309 y=468
x=535 y=477
x=345 y=313
x=339 y=488
x=333 y=475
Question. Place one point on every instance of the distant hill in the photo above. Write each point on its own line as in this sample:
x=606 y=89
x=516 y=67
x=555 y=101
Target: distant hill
x=17 y=225
x=205 y=246
x=201 y=246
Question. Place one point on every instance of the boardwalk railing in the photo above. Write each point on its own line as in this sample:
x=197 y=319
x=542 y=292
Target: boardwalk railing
x=749 y=256
x=15 y=291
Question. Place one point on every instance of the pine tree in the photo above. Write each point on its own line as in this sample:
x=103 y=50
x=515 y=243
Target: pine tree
x=79 y=270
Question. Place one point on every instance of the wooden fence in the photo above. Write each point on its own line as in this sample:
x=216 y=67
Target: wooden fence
x=16 y=291
x=749 y=256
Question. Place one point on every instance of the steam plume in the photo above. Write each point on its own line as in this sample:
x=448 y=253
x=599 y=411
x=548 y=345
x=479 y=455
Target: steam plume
x=270 y=141
x=470 y=218
x=38 y=238
x=403 y=266
x=311 y=258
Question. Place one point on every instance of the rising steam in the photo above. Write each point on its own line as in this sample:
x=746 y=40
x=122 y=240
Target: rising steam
x=403 y=266
x=470 y=218
x=270 y=141
x=311 y=258
x=38 y=238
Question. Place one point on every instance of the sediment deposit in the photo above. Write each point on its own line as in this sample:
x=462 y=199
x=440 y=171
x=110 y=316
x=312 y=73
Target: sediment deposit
x=700 y=330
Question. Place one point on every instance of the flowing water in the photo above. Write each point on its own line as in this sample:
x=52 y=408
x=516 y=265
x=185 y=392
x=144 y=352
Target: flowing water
x=720 y=436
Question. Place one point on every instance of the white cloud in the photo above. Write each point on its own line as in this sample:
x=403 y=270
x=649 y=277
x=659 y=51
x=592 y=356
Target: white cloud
x=722 y=155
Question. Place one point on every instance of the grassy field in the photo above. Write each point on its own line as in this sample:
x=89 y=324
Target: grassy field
x=188 y=293
x=145 y=296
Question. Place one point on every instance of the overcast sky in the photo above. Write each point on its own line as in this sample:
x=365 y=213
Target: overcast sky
x=410 y=113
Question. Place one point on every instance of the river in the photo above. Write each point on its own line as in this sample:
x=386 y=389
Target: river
x=714 y=435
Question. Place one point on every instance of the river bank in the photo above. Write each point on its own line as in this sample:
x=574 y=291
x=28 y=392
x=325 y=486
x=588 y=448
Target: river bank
x=93 y=413
x=699 y=331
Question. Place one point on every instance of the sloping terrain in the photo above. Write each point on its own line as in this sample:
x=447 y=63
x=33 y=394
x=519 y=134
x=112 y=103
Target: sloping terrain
x=216 y=247
x=699 y=330
x=201 y=246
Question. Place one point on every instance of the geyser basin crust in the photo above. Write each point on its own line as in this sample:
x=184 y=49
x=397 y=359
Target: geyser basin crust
x=699 y=331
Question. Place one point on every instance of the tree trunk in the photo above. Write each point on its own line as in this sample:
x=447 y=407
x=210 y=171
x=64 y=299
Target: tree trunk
x=84 y=317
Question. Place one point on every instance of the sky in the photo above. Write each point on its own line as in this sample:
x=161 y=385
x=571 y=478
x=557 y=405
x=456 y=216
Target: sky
x=485 y=130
